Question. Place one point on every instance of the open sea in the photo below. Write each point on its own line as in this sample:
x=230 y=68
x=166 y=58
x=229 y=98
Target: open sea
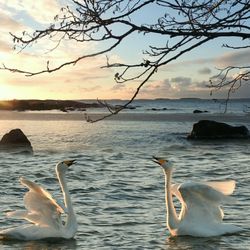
x=117 y=191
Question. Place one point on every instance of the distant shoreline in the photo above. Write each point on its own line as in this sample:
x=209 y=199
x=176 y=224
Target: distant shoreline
x=82 y=105
x=41 y=105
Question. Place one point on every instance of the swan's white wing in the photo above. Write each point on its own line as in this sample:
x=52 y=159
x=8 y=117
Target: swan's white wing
x=175 y=191
x=41 y=208
x=24 y=214
x=202 y=201
x=43 y=193
x=197 y=191
x=225 y=187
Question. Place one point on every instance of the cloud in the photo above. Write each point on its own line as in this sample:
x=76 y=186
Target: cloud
x=166 y=84
x=232 y=58
x=4 y=47
x=90 y=89
x=84 y=80
x=235 y=58
x=42 y=12
x=182 y=80
x=205 y=71
x=176 y=88
x=200 y=89
x=8 y=23
x=72 y=75
x=118 y=87
x=177 y=79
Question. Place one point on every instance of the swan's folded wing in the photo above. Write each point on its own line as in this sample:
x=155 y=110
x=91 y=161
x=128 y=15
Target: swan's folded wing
x=41 y=204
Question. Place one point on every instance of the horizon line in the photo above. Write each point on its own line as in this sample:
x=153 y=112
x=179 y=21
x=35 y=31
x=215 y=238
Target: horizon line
x=117 y=99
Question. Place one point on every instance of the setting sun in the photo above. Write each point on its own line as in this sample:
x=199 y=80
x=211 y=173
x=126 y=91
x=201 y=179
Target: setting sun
x=5 y=92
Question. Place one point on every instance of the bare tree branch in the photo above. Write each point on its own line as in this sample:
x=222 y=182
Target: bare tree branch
x=185 y=25
x=115 y=112
x=227 y=78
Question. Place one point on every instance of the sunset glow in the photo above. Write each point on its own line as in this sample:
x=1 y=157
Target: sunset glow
x=6 y=92
x=87 y=80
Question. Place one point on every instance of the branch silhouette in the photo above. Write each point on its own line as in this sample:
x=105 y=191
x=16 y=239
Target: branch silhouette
x=184 y=25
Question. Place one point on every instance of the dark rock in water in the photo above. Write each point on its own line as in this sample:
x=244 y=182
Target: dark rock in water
x=15 y=136
x=197 y=111
x=121 y=106
x=16 y=141
x=206 y=129
x=159 y=109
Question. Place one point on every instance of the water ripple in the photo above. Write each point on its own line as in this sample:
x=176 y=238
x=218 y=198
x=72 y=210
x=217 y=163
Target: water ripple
x=117 y=191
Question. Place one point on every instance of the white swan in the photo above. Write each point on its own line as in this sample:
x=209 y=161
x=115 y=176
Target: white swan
x=200 y=214
x=44 y=212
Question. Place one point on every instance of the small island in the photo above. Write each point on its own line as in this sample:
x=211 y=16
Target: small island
x=41 y=105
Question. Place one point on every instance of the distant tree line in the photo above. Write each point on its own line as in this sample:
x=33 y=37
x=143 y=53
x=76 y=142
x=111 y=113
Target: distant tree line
x=23 y=105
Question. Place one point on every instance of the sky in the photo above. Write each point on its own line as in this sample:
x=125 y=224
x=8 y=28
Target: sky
x=186 y=77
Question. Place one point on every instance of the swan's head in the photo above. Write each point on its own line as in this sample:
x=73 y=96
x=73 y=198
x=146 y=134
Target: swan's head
x=165 y=164
x=63 y=166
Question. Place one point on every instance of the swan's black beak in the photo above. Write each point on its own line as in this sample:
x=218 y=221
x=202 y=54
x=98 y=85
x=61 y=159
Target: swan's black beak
x=156 y=160
x=69 y=162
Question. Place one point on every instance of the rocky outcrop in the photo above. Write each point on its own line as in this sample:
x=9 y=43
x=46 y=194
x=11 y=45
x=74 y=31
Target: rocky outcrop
x=197 y=111
x=207 y=129
x=159 y=109
x=16 y=141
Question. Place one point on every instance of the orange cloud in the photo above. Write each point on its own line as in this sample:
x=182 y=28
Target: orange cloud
x=4 y=47
x=8 y=23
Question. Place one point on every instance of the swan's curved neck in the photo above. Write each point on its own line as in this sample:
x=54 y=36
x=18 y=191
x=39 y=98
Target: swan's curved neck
x=71 y=218
x=172 y=220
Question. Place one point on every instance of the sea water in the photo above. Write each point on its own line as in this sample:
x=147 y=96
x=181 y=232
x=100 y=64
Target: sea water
x=117 y=191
